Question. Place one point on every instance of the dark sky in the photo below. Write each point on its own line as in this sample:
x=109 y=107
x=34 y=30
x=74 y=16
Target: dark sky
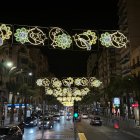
x=98 y=15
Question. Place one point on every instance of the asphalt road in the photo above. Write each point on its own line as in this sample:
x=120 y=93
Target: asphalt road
x=63 y=130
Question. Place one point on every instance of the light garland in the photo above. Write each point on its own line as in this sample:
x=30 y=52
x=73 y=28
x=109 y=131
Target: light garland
x=21 y=35
x=85 y=40
x=60 y=38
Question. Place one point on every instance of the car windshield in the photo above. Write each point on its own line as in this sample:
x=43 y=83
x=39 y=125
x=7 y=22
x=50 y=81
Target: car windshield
x=96 y=118
x=84 y=114
x=4 y=131
x=46 y=119
x=56 y=116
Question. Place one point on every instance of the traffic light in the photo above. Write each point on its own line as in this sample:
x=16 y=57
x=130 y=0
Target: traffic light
x=75 y=113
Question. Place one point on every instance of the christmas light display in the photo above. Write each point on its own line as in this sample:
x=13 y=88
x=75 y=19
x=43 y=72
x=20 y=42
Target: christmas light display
x=85 y=40
x=39 y=82
x=68 y=81
x=21 y=35
x=45 y=82
x=60 y=38
x=5 y=33
x=36 y=36
x=106 y=39
x=116 y=39
x=56 y=83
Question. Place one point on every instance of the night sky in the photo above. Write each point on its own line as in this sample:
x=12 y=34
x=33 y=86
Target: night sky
x=99 y=15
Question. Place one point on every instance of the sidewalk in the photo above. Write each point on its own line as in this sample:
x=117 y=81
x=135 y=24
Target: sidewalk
x=126 y=126
x=7 y=121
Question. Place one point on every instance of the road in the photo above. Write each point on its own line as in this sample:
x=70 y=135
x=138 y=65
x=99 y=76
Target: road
x=64 y=130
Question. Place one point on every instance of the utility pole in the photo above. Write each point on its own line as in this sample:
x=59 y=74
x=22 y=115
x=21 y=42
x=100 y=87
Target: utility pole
x=75 y=116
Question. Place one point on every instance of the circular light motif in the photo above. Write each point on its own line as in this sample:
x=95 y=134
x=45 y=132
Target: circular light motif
x=5 y=32
x=21 y=35
x=106 y=39
x=36 y=36
x=39 y=82
x=45 y=82
x=77 y=81
x=60 y=38
x=68 y=82
x=56 y=83
x=118 y=40
x=49 y=91
x=63 y=41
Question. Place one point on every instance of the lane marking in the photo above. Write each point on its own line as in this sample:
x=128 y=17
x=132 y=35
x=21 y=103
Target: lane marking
x=82 y=136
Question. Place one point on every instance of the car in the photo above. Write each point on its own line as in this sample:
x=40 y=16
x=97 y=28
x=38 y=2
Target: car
x=84 y=116
x=48 y=122
x=10 y=133
x=96 y=121
x=30 y=122
x=56 y=118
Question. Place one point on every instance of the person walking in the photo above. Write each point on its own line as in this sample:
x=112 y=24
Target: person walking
x=2 y=121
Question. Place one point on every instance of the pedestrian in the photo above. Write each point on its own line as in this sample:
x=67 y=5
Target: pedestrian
x=2 y=120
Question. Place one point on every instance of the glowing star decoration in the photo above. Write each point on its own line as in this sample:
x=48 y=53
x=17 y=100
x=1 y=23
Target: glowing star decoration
x=36 y=36
x=85 y=40
x=1 y=41
x=5 y=33
x=60 y=38
x=119 y=40
x=67 y=82
x=106 y=39
x=21 y=35
x=45 y=82
x=39 y=82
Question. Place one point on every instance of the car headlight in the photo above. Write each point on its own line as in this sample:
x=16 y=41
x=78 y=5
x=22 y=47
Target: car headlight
x=31 y=122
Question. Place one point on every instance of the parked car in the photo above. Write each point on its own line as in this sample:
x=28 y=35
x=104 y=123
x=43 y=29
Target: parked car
x=84 y=116
x=46 y=123
x=10 y=133
x=96 y=121
x=30 y=122
x=56 y=118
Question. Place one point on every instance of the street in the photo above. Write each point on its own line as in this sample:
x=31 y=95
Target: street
x=64 y=130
